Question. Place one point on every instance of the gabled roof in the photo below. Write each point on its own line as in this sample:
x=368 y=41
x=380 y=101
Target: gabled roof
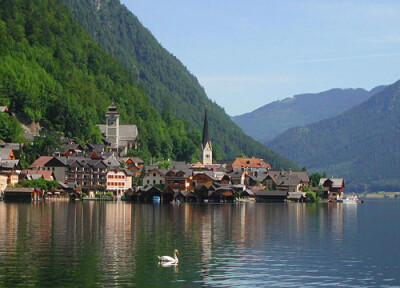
x=9 y=164
x=290 y=180
x=5 y=153
x=162 y=172
x=250 y=163
x=45 y=174
x=41 y=161
x=336 y=182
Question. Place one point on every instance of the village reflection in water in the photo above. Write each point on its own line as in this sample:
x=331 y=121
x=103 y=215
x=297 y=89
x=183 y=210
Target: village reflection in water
x=94 y=243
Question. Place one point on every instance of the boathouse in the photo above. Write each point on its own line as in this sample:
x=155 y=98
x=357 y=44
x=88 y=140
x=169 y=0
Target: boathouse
x=23 y=194
x=271 y=196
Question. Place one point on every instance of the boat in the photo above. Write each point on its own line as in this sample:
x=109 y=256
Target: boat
x=351 y=199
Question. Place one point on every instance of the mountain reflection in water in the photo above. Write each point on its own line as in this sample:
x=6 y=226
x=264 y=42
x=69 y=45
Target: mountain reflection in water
x=91 y=244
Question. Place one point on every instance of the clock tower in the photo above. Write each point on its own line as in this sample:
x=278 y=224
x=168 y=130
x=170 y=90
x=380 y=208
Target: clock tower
x=112 y=127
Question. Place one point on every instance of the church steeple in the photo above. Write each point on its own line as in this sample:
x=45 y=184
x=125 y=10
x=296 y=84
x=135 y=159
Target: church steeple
x=206 y=147
x=205 y=129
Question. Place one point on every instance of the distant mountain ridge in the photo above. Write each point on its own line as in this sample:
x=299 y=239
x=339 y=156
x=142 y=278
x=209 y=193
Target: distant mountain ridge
x=268 y=121
x=163 y=77
x=361 y=144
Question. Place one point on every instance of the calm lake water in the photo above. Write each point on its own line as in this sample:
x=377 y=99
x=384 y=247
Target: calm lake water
x=93 y=244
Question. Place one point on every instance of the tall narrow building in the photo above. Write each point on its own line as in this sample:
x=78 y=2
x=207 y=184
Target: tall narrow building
x=206 y=147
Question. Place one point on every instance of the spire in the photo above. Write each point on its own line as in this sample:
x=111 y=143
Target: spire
x=205 y=129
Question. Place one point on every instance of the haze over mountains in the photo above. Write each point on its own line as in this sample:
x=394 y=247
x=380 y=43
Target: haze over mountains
x=361 y=144
x=270 y=120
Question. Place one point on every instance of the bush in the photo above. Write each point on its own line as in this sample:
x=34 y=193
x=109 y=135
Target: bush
x=312 y=196
x=109 y=194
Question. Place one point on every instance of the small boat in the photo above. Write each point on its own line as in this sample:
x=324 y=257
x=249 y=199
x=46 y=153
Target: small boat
x=351 y=199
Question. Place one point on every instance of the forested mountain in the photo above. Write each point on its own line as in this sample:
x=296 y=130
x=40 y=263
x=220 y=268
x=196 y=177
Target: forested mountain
x=268 y=121
x=53 y=73
x=163 y=77
x=361 y=144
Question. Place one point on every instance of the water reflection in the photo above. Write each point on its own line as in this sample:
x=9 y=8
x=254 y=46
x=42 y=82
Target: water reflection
x=116 y=244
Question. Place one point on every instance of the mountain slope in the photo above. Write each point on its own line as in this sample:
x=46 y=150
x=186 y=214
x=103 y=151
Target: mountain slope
x=360 y=144
x=53 y=73
x=164 y=78
x=268 y=121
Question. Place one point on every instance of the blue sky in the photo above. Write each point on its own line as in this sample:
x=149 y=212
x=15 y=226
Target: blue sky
x=249 y=53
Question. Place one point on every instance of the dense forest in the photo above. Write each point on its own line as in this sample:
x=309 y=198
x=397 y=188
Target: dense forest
x=360 y=144
x=163 y=77
x=299 y=110
x=53 y=73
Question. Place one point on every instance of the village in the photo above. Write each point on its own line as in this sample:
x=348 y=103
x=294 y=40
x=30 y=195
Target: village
x=103 y=172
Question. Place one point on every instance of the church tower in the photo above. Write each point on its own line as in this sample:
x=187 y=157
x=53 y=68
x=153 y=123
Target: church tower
x=112 y=127
x=206 y=147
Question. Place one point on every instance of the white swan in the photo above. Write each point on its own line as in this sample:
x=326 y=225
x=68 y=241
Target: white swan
x=169 y=259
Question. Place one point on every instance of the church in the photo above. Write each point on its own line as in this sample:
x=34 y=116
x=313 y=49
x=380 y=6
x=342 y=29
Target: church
x=206 y=147
x=119 y=138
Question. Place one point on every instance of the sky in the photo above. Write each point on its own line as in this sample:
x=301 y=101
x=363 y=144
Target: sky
x=248 y=53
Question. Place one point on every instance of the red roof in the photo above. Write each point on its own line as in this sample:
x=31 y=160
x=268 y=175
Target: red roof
x=250 y=163
x=46 y=174
x=41 y=161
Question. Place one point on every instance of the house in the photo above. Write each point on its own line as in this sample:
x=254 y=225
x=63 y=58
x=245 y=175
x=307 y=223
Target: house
x=249 y=164
x=59 y=167
x=9 y=165
x=39 y=163
x=133 y=164
x=335 y=186
x=7 y=154
x=290 y=183
x=178 y=180
x=237 y=177
x=154 y=176
x=47 y=175
x=72 y=149
x=119 y=181
x=205 y=178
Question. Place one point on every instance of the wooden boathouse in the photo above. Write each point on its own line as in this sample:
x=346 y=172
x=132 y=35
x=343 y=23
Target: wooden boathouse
x=23 y=194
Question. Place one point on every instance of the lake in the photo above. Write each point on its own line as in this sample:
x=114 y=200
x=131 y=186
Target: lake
x=106 y=244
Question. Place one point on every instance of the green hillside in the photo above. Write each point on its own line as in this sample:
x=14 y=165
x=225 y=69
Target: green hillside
x=360 y=144
x=53 y=73
x=163 y=76
x=299 y=110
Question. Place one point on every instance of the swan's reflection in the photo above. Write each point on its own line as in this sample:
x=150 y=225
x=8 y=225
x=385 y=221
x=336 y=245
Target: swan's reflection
x=169 y=265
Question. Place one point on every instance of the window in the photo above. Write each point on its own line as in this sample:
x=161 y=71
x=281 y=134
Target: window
x=148 y=181
x=160 y=181
x=154 y=181
x=154 y=174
